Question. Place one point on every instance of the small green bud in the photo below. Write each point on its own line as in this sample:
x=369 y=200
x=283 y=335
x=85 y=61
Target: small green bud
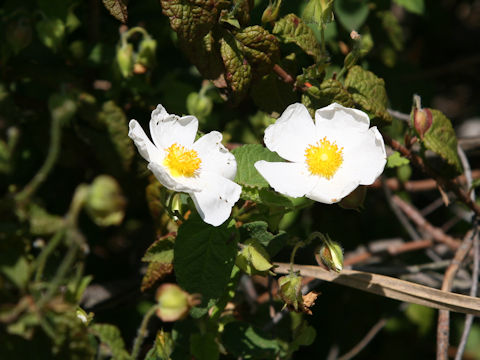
x=253 y=258
x=83 y=316
x=355 y=199
x=199 y=105
x=291 y=290
x=318 y=12
x=174 y=303
x=19 y=34
x=422 y=120
x=270 y=14
x=125 y=59
x=105 y=203
x=146 y=52
x=331 y=254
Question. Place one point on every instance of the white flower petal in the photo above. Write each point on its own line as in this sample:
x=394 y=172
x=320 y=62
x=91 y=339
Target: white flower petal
x=215 y=157
x=291 y=179
x=167 y=129
x=145 y=147
x=367 y=158
x=181 y=184
x=214 y=203
x=291 y=133
x=336 y=116
x=333 y=190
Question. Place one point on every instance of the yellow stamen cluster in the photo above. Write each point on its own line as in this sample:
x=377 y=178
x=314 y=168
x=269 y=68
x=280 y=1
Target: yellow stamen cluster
x=324 y=158
x=181 y=162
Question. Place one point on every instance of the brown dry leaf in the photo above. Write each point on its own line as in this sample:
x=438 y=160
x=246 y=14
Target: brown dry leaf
x=309 y=301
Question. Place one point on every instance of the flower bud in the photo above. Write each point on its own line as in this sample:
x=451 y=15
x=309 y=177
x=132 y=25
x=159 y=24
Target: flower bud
x=422 y=120
x=199 y=105
x=19 y=34
x=174 y=303
x=125 y=59
x=290 y=290
x=318 y=12
x=331 y=254
x=270 y=14
x=105 y=203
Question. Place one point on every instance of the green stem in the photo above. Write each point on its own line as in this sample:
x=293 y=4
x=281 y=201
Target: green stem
x=322 y=36
x=294 y=251
x=41 y=176
x=39 y=264
x=142 y=332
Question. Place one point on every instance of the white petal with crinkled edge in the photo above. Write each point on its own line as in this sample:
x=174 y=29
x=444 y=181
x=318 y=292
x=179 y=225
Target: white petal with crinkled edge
x=181 y=184
x=214 y=203
x=215 y=157
x=168 y=129
x=336 y=116
x=291 y=133
x=145 y=147
x=291 y=179
x=329 y=191
x=366 y=159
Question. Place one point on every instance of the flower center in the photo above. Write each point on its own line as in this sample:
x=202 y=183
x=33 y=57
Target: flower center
x=324 y=158
x=181 y=162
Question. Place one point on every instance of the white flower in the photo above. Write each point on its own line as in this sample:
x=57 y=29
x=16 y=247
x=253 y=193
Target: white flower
x=328 y=159
x=204 y=168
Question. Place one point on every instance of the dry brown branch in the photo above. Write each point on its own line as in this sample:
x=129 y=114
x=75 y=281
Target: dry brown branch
x=415 y=215
x=390 y=287
x=443 y=327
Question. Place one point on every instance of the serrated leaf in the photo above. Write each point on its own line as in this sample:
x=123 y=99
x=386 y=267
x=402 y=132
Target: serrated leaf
x=351 y=13
x=155 y=271
x=204 y=257
x=115 y=121
x=259 y=231
x=441 y=139
x=414 y=6
x=238 y=72
x=396 y=160
x=111 y=337
x=192 y=19
x=328 y=92
x=291 y=29
x=117 y=8
x=160 y=251
x=368 y=92
x=246 y=157
x=260 y=48
x=244 y=341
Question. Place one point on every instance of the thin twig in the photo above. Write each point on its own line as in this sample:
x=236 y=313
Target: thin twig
x=366 y=340
x=436 y=233
x=399 y=115
x=443 y=327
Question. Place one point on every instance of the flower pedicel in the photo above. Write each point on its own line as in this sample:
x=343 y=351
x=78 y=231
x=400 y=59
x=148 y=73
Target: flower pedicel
x=204 y=169
x=328 y=159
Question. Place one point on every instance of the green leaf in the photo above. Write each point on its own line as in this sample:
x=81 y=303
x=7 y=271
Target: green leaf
x=396 y=160
x=441 y=139
x=414 y=6
x=351 y=13
x=475 y=183
x=253 y=258
x=259 y=230
x=204 y=346
x=116 y=123
x=246 y=157
x=16 y=270
x=43 y=223
x=291 y=29
x=238 y=72
x=118 y=9
x=368 y=92
x=421 y=316
x=243 y=340
x=260 y=48
x=111 y=337
x=329 y=91
x=392 y=29
x=204 y=257
x=160 y=251
x=51 y=32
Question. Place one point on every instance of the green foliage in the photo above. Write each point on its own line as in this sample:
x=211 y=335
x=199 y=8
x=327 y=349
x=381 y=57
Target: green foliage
x=118 y=9
x=351 y=13
x=204 y=257
x=327 y=92
x=204 y=346
x=414 y=6
x=111 y=337
x=396 y=160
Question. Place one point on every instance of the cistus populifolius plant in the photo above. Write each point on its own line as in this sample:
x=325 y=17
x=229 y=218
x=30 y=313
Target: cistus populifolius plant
x=214 y=225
